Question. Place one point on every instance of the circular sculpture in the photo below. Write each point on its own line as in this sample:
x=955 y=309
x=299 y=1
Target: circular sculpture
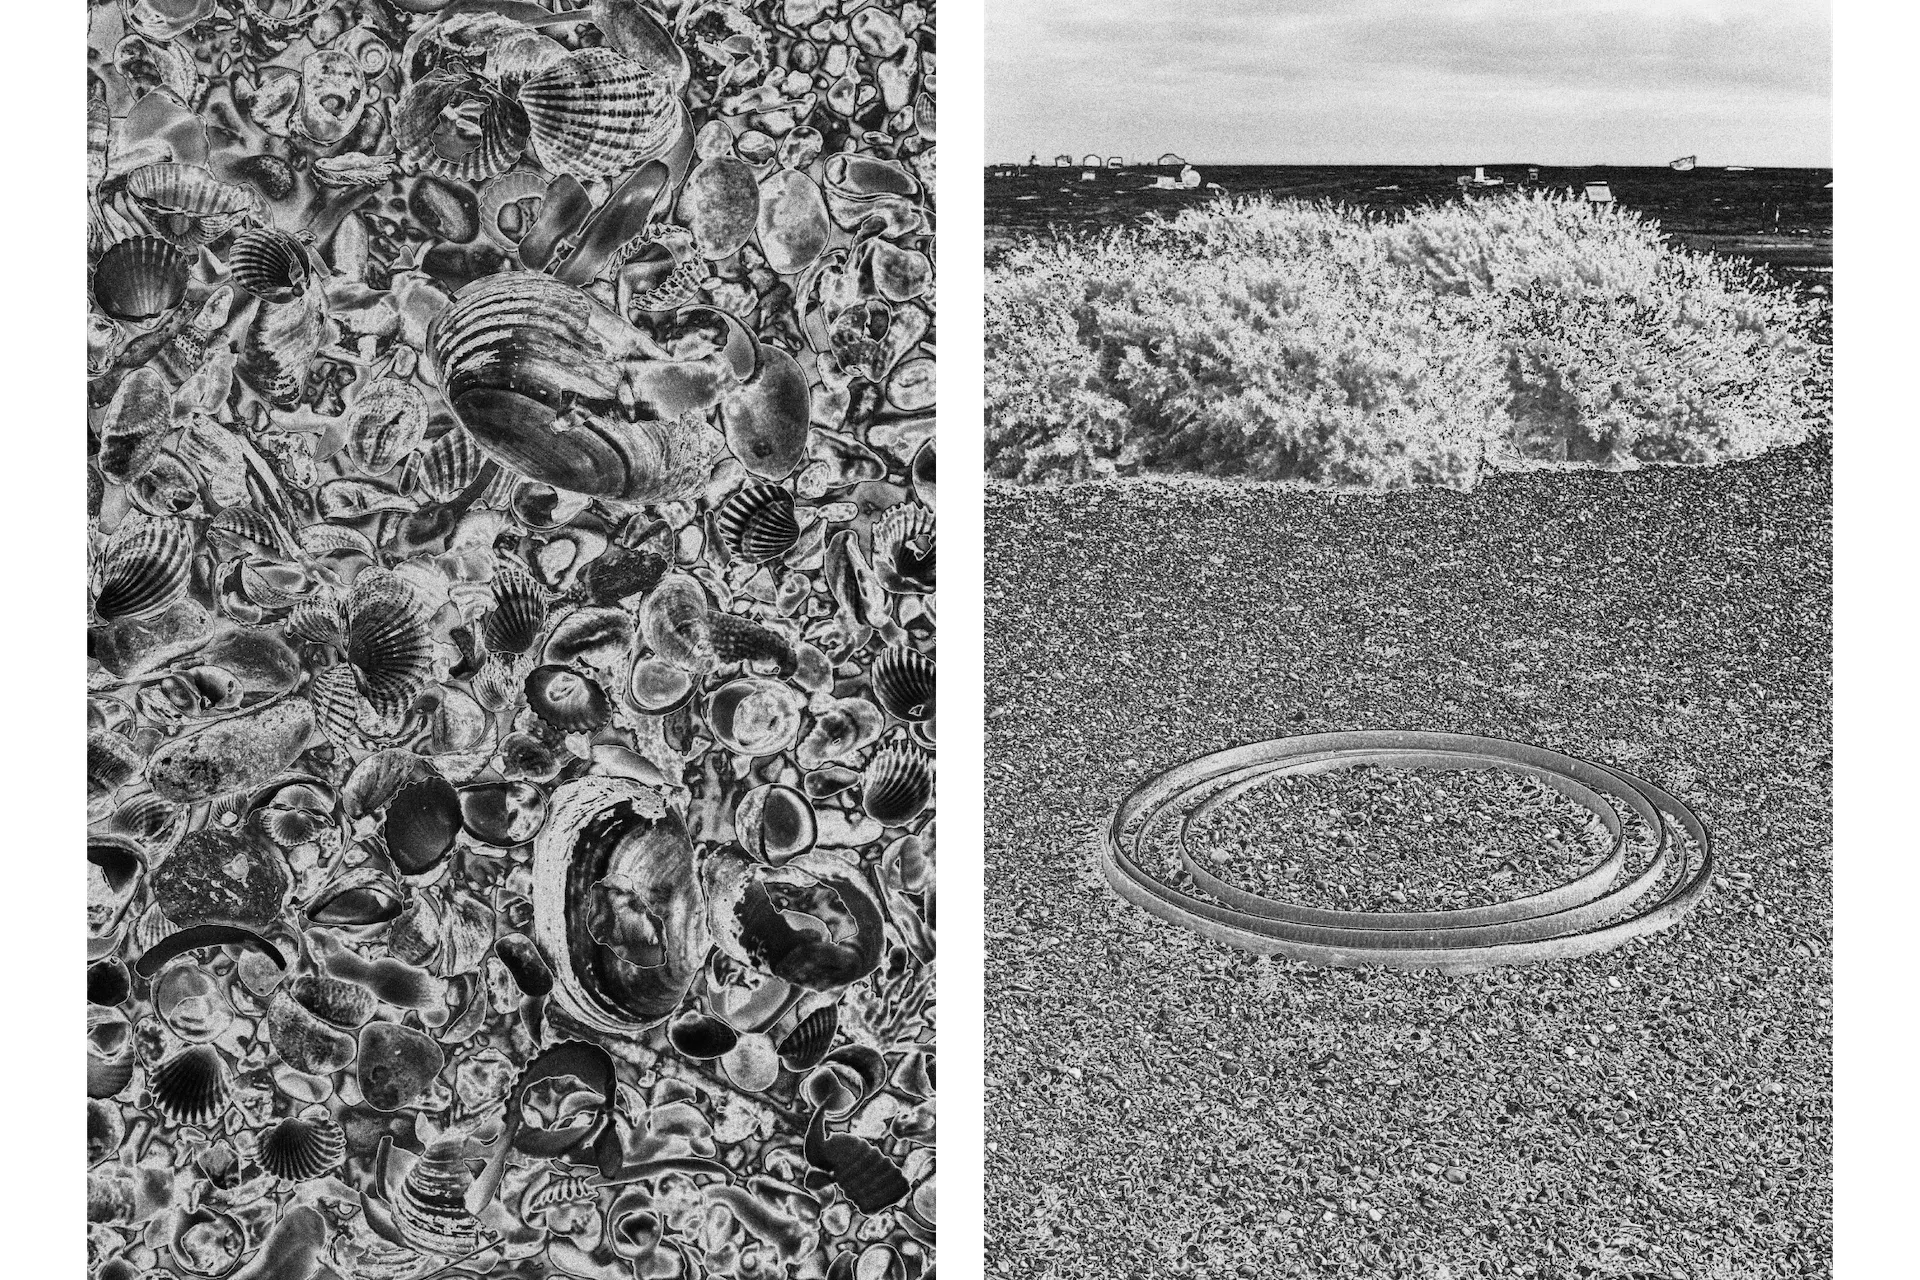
x=1643 y=884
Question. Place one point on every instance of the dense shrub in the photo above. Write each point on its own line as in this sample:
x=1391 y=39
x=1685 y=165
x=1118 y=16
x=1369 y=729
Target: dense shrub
x=1301 y=341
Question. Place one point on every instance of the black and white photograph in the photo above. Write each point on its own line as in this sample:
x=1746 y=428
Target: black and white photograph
x=1408 y=639
x=510 y=642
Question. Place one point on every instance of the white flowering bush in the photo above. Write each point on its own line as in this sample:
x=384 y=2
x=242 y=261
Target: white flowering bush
x=1281 y=340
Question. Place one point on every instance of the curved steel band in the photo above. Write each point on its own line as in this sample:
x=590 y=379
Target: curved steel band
x=1596 y=911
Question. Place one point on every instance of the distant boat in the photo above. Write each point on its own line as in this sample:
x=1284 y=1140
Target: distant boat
x=1683 y=165
x=1739 y=168
x=1394 y=187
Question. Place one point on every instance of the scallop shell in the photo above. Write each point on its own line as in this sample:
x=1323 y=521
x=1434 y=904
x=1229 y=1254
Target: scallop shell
x=189 y=193
x=519 y=611
x=269 y=264
x=140 y=279
x=596 y=113
x=619 y=912
x=385 y=424
x=436 y=133
x=335 y=695
x=903 y=683
x=317 y=622
x=903 y=547
x=388 y=641
x=450 y=464
x=567 y=700
x=897 y=785
x=191 y=1086
x=758 y=522
x=808 y=1042
x=333 y=94
x=146 y=567
x=300 y=1150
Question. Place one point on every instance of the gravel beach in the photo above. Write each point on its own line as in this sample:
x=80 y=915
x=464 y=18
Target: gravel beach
x=1158 y=1105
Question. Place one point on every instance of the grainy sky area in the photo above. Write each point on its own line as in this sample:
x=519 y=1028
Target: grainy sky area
x=1411 y=82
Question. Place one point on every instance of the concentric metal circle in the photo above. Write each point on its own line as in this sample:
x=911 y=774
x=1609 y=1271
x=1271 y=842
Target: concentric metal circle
x=1643 y=884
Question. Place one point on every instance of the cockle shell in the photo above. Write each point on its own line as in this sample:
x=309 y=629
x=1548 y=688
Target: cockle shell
x=190 y=203
x=903 y=683
x=431 y=1206
x=140 y=279
x=269 y=264
x=897 y=785
x=333 y=94
x=595 y=113
x=808 y=1042
x=903 y=550
x=388 y=642
x=618 y=909
x=460 y=126
x=758 y=522
x=519 y=611
x=144 y=569
x=300 y=1149
x=191 y=1086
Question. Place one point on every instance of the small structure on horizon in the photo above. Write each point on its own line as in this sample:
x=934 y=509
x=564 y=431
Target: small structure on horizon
x=1599 y=193
x=1115 y=162
x=1479 y=179
x=1091 y=161
x=1684 y=164
x=1170 y=161
x=1063 y=162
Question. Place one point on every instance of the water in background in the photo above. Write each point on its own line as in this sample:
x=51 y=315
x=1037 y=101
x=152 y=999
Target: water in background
x=1780 y=218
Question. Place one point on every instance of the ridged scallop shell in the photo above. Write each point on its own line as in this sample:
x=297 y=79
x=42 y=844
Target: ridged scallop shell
x=903 y=550
x=450 y=464
x=145 y=568
x=248 y=531
x=388 y=641
x=385 y=424
x=519 y=611
x=333 y=94
x=269 y=264
x=431 y=1207
x=191 y=1086
x=190 y=192
x=897 y=785
x=140 y=279
x=151 y=821
x=317 y=622
x=567 y=700
x=596 y=113
x=335 y=694
x=903 y=683
x=299 y=1150
x=808 y=1042
x=758 y=522
x=481 y=144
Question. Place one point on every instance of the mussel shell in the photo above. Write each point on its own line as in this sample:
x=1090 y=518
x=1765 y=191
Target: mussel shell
x=595 y=113
x=758 y=522
x=299 y=1149
x=503 y=814
x=421 y=823
x=567 y=699
x=191 y=1086
x=612 y=827
x=701 y=1036
x=269 y=264
x=140 y=279
x=903 y=683
x=388 y=642
x=808 y=1042
x=897 y=785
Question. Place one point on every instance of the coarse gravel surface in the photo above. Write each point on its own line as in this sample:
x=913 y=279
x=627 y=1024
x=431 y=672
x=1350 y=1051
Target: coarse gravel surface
x=1160 y=1105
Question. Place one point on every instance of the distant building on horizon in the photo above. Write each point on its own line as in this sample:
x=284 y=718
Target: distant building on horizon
x=1170 y=161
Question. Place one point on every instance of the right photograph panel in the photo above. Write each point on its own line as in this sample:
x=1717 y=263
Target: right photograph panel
x=1408 y=639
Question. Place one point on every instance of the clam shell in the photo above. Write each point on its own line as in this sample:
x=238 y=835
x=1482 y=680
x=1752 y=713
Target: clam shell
x=566 y=699
x=436 y=134
x=140 y=279
x=431 y=1207
x=139 y=419
x=758 y=522
x=519 y=611
x=363 y=895
x=921 y=471
x=903 y=683
x=146 y=567
x=269 y=264
x=422 y=820
x=791 y=221
x=657 y=687
x=897 y=785
x=775 y=823
x=596 y=113
x=701 y=1036
x=385 y=424
x=299 y=1149
x=503 y=814
x=767 y=418
x=189 y=191
x=619 y=912
x=191 y=1086
x=333 y=94
x=388 y=641
x=753 y=716
x=808 y=1042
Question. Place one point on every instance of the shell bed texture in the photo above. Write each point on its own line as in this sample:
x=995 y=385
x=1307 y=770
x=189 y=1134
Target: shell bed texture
x=511 y=646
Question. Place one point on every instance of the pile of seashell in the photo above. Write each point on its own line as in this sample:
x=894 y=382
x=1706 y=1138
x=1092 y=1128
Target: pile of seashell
x=511 y=626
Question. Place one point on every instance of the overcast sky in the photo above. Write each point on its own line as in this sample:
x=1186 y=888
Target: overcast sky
x=1406 y=81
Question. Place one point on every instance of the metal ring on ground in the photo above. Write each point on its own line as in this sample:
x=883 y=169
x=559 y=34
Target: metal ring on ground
x=1596 y=911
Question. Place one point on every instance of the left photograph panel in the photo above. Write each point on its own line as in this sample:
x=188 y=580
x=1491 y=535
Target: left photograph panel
x=511 y=645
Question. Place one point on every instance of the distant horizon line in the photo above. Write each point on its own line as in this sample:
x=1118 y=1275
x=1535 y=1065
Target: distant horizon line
x=1047 y=162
